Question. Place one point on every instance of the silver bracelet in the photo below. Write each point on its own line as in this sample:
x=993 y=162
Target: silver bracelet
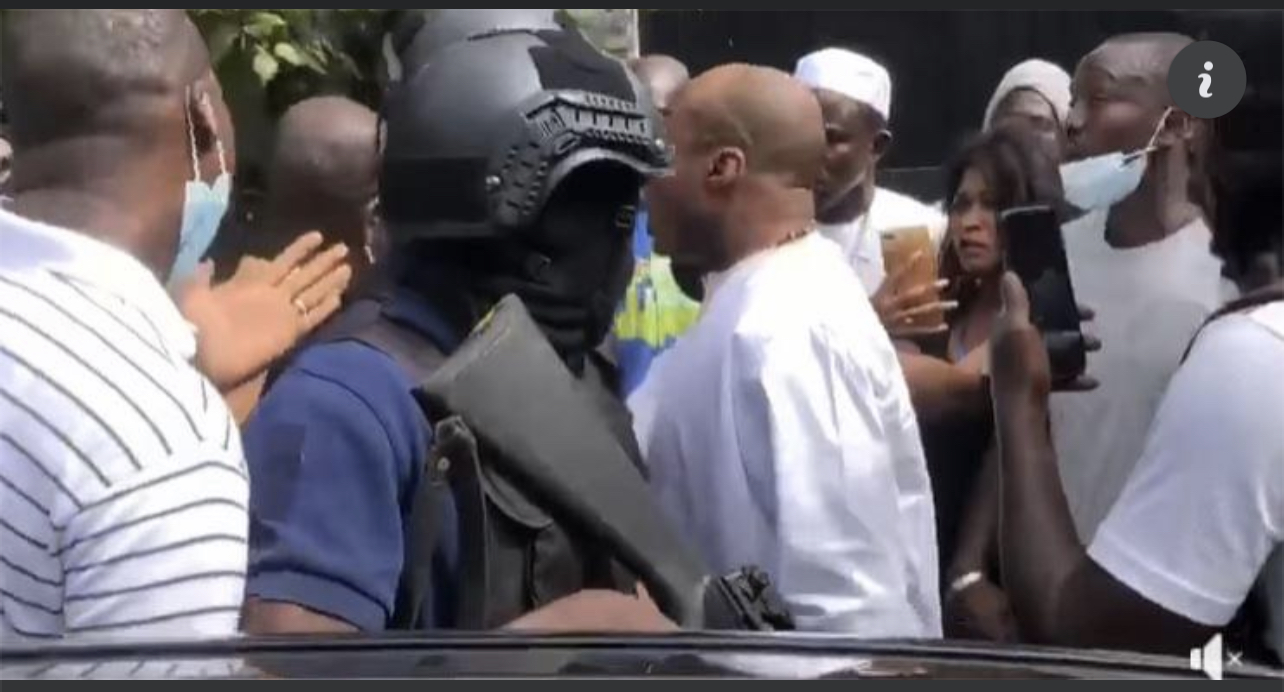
x=965 y=581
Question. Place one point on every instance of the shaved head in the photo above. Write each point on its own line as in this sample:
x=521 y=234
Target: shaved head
x=111 y=112
x=662 y=76
x=69 y=72
x=1142 y=59
x=326 y=146
x=771 y=116
x=749 y=146
x=323 y=175
x=1120 y=93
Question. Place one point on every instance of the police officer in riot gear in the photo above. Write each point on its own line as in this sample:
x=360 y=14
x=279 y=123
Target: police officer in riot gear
x=513 y=162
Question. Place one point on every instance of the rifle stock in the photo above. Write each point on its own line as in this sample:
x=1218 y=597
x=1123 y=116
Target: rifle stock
x=513 y=391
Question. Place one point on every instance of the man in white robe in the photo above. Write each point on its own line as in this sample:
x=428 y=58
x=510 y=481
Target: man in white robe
x=779 y=431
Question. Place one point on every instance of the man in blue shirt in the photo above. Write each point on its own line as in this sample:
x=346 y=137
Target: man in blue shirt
x=333 y=450
x=338 y=445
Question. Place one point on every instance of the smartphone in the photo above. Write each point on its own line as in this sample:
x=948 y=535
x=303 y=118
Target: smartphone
x=1035 y=251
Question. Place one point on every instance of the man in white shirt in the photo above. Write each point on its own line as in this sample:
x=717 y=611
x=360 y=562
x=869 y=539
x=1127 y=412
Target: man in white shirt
x=855 y=95
x=1197 y=533
x=779 y=430
x=1143 y=259
x=123 y=490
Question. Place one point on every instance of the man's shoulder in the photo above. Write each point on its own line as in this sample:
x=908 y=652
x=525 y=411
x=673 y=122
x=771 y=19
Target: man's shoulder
x=350 y=364
x=1219 y=385
x=805 y=289
x=822 y=331
x=1241 y=338
x=345 y=404
x=337 y=376
x=95 y=393
x=1270 y=317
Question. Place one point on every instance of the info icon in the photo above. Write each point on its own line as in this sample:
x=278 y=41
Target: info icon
x=1207 y=79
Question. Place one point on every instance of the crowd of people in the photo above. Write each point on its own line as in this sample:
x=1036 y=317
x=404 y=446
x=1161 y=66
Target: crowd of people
x=199 y=448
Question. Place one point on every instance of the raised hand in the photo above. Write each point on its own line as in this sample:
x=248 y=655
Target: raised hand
x=245 y=323
x=911 y=311
x=1018 y=354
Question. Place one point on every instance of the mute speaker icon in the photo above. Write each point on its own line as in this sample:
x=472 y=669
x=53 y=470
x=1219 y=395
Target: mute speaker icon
x=1208 y=659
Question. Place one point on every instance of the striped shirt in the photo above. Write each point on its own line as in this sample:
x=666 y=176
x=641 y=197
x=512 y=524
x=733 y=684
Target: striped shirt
x=123 y=489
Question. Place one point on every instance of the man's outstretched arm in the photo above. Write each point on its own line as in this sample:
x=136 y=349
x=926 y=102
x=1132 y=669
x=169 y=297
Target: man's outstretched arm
x=1059 y=594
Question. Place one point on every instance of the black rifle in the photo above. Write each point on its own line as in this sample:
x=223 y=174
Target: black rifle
x=507 y=389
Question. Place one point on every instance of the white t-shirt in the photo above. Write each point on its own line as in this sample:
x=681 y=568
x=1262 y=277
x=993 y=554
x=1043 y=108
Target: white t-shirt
x=123 y=489
x=779 y=432
x=1202 y=516
x=1149 y=301
x=860 y=238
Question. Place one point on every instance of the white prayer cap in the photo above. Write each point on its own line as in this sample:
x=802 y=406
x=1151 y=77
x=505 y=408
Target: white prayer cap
x=850 y=74
x=1048 y=80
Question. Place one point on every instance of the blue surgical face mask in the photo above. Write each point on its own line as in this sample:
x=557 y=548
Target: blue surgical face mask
x=1100 y=182
x=203 y=208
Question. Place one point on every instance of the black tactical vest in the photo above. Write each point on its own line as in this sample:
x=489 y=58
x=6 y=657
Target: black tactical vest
x=515 y=555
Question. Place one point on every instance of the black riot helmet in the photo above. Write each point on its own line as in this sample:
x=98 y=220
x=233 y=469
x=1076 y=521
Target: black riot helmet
x=480 y=137
x=424 y=32
x=513 y=162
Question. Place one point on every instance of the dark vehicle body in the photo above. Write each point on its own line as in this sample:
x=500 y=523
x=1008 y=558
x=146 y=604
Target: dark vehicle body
x=492 y=655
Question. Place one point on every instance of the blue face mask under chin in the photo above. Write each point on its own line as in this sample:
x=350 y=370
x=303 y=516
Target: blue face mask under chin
x=1103 y=181
x=1100 y=182
x=203 y=208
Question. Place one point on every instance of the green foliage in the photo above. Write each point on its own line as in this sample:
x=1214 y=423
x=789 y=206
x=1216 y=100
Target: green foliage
x=339 y=46
x=273 y=43
x=267 y=60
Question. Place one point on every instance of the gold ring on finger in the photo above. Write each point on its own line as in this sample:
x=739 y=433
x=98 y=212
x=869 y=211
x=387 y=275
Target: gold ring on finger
x=301 y=308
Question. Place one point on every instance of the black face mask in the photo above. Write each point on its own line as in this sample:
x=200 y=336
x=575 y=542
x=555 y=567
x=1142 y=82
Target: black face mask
x=574 y=268
x=574 y=322
x=571 y=270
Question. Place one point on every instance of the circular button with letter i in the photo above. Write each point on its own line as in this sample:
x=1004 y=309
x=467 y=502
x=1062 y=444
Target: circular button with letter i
x=1207 y=79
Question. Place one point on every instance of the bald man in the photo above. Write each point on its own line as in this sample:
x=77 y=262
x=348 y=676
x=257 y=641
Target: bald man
x=125 y=492
x=1140 y=255
x=324 y=177
x=779 y=429
x=657 y=307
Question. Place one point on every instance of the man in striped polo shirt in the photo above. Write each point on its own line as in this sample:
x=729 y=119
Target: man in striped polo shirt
x=123 y=489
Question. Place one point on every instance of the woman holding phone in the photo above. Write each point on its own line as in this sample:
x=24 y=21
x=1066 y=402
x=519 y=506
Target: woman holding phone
x=998 y=170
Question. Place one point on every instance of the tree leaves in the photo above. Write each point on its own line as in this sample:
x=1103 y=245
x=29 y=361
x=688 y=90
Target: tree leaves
x=314 y=58
x=273 y=43
x=265 y=66
x=264 y=25
x=288 y=53
x=333 y=45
